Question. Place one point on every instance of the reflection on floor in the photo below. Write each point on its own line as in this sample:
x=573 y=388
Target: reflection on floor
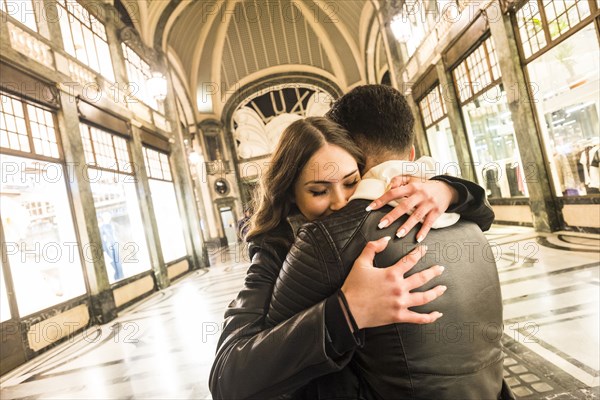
x=163 y=347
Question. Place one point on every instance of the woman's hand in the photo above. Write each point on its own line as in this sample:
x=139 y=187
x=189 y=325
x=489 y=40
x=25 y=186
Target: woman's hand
x=382 y=296
x=429 y=199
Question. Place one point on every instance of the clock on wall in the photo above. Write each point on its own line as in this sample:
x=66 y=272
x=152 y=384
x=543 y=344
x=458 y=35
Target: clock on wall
x=221 y=186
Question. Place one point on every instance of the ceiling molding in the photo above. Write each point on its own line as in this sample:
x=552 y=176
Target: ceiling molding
x=160 y=11
x=180 y=8
x=178 y=68
x=327 y=44
x=373 y=42
x=218 y=52
x=342 y=29
x=364 y=25
x=201 y=44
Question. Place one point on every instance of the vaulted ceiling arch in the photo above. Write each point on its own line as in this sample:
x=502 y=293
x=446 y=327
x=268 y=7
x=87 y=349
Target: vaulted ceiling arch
x=220 y=41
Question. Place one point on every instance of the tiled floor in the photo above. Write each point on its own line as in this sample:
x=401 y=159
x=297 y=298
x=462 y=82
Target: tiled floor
x=163 y=347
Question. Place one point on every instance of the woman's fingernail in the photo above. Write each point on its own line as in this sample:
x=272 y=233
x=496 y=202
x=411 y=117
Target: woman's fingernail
x=370 y=207
x=383 y=224
x=401 y=233
x=420 y=239
x=424 y=247
x=441 y=268
x=386 y=238
x=444 y=288
x=438 y=314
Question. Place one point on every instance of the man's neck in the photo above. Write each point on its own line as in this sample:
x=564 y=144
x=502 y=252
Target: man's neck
x=371 y=162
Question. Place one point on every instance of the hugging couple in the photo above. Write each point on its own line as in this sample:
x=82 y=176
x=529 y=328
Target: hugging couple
x=349 y=294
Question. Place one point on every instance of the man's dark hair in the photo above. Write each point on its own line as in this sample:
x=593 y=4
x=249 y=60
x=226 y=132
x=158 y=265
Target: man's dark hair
x=378 y=118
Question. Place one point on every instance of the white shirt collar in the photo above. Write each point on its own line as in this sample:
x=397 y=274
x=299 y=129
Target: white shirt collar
x=375 y=181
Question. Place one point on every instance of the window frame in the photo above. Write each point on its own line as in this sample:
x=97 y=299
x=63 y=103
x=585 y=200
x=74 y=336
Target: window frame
x=4 y=9
x=154 y=104
x=550 y=43
x=63 y=7
x=15 y=312
x=437 y=87
x=112 y=134
x=464 y=62
x=32 y=153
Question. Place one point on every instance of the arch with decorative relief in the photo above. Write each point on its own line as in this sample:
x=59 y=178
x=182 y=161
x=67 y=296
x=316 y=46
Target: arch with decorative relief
x=260 y=115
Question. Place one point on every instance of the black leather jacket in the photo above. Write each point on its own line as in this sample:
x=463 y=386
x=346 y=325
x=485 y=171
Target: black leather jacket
x=255 y=360
x=458 y=357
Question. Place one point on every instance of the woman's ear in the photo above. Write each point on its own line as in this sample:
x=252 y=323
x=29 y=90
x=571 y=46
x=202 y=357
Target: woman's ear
x=411 y=157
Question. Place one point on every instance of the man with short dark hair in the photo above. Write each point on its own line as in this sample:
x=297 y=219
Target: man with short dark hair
x=458 y=357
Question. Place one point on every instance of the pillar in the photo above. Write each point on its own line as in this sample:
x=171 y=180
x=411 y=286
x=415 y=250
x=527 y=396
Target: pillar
x=546 y=216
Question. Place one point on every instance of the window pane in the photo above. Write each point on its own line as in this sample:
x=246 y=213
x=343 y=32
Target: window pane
x=84 y=37
x=563 y=15
x=531 y=31
x=105 y=150
x=106 y=67
x=91 y=49
x=13 y=124
x=170 y=228
x=493 y=144
x=120 y=222
x=4 y=306
x=38 y=225
x=443 y=150
x=65 y=29
x=566 y=88
x=138 y=72
x=42 y=130
x=79 y=42
x=23 y=11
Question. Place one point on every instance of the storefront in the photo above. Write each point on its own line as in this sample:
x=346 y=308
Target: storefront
x=438 y=132
x=488 y=123
x=559 y=49
x=41 y=250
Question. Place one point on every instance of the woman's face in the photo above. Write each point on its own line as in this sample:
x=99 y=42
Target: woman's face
x=326 y=182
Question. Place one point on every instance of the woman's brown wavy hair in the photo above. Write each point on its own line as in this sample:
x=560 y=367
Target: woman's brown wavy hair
x=297 y=144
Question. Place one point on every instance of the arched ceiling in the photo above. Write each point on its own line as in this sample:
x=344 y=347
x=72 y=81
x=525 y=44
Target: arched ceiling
x=222 y=45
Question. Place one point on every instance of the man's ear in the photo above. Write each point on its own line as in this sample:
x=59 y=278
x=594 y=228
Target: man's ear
x=411 y=156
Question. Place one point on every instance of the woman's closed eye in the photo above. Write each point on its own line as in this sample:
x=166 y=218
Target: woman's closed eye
x=351 y=184
x=317 y=193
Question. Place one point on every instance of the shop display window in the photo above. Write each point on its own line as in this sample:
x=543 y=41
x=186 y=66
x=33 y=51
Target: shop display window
x=493 y=144
x=438 y=132
x=41 y=245
x=166 y=211
x=42 y=250
x=488 y=120
x=566 y=89
x=113 y=185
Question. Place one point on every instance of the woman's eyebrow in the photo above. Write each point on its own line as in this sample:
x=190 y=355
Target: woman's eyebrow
x=328 y=182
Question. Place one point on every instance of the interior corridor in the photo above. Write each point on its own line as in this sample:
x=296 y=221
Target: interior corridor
x=163 y=347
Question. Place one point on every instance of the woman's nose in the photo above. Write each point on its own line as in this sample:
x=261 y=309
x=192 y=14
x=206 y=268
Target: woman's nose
x=339 y=200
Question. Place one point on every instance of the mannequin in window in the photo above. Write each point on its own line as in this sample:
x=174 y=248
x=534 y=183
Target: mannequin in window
x=566 y=175
x=490 y=174
x=594 y=157
x=584 y=165
x=110 y=246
